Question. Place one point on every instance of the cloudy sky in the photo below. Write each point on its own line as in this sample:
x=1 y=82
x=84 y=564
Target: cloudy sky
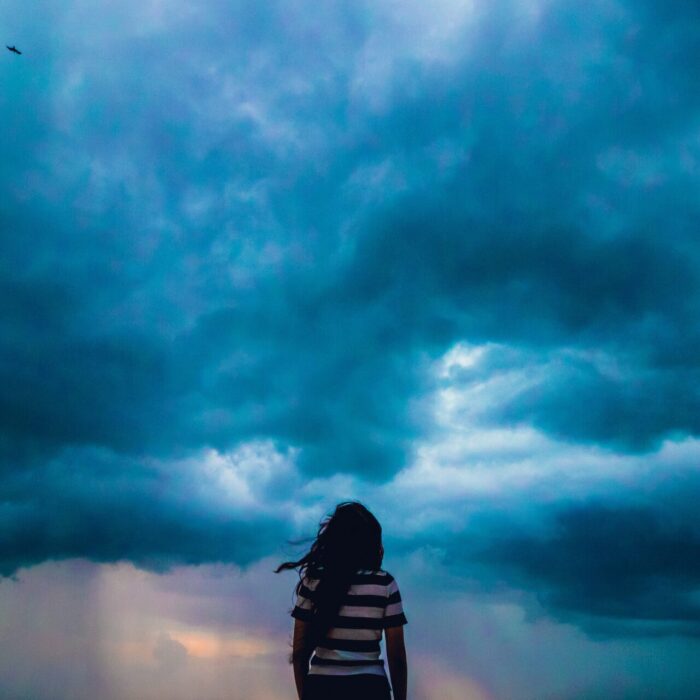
x=260 y=257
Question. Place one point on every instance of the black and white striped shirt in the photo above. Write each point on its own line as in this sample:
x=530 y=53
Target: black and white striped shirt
x=351 y=646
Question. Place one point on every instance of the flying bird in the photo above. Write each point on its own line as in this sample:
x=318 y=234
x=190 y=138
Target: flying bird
x=13 y=49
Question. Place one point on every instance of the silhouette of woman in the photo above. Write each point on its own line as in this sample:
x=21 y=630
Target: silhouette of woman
x=344 y=602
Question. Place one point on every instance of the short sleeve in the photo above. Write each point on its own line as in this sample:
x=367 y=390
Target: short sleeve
x=393 y=612
x=303 y=608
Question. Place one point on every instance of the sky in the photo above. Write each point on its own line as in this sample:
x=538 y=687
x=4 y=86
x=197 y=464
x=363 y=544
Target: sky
x=257 y=258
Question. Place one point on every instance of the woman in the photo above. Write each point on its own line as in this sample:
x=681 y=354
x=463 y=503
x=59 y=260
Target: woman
x=344 y=602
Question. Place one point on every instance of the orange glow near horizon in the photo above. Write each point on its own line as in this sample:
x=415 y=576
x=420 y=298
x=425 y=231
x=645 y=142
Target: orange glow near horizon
x=207 y=646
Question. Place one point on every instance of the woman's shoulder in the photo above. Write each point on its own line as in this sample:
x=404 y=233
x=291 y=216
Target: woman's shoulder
x=382 y=573
x=381 y=576
x=315 y=571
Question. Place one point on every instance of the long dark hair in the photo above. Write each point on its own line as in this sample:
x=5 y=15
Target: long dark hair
x=348 y=540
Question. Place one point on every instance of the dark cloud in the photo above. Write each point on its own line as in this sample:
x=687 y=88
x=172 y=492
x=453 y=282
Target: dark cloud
x=226 y=227
x=92 y=504
x=617 y=566
x=632 y=412
x=327 y=350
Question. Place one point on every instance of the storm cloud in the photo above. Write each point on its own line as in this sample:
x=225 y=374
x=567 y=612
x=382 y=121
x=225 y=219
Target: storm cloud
x=236 y=241
x=614 y=569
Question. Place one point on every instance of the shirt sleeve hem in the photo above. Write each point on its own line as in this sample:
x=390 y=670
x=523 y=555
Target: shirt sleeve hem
x=300 y=614
x=394 y=621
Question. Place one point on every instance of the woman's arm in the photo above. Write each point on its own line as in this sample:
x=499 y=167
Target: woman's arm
x=301 y=653
x=396 y=656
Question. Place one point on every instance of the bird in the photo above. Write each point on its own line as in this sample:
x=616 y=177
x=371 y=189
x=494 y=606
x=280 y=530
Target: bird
x=13 y=49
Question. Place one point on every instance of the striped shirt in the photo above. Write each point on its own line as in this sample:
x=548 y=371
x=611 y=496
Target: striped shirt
x=351 y=645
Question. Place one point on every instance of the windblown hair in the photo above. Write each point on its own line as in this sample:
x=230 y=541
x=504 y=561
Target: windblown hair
x=348 y=540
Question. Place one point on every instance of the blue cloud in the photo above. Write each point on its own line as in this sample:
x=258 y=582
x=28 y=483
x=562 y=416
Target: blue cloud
x=264 y=223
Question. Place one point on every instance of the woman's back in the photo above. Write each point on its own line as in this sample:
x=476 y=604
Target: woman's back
x=351 y=645
x=344 y=602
